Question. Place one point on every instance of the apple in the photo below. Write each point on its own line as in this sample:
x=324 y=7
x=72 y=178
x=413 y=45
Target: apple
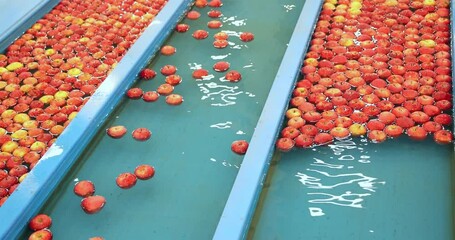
x=43 y=234
x=417 y=133
x=200 y=34
x=150 y=96
x=293 y=112
x=246 y=36
x=296 y=122
x=193 y=15
x=116 y=131
x=147 y=74
x=443 y=119
x=309 y=130
x=285 y=144
x=233 y=76
x=239 y=147
x=181 y=27
x=393 y=130
x=432 y=126
x=168 y=70
x=357 y=129
x=220 y=43
x=40 y=221
x=303 y=141
x=93 y=204
x=200 y=73
x=165 y=89
x=377 y=136
x=443 y=137
x=323 y=138
x=174 y=99
x=173 y=79
x=221 y=66
x=84 y=188
x=167 y=50
x=325 y=124
x=144 y=172
x=141 y=134
x=214 y=24
x=134 y=93
x=340 y=132
x=126 y=180
x=214 y=13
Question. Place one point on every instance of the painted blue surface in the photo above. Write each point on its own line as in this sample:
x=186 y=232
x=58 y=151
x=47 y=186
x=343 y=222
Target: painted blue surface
x=39 y=184
x=17 y=16
x=243 y=198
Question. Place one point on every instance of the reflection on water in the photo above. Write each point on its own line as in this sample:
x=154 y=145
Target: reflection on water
x=334 y=181
x=233 y=21
x=289 y=7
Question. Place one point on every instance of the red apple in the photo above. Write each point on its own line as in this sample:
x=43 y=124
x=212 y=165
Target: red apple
x=147 y=74
x=40 y=221
x=377 y=136
x=144 y=172
x=303 y=141
x=141 y=134
x=443 y=137
x=233 y=76
x=43 y=234
x=239 y=146
x=416 y=133
x=431 y=126
x=134 y=93
x=246 y=36
x=174 y=99
x=285 y=144
x=221 y=66
x=84 y=188
x=323 y=138
x=93 y=204
x=393 y=130
x=150 y=96
x=126 y=180
x=116 y=131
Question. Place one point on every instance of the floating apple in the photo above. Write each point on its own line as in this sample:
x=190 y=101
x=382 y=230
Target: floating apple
x=40 y=221
x=285 y=144
x=93 y=204
x=239 y=146
x=43 y=234
x=443 y=137
x=126 y=180
x=134 y=93
x=116 y=131
x=150 y=96
x=147 y=74
x=246 y=36
x=141 y=134
x=181 y=27
x=233 y=76
x=221 y=66
x=174 y=99
x=200 y=73
x=84 y=188
x=200 y=34
x=144 y=172
x=167 y=50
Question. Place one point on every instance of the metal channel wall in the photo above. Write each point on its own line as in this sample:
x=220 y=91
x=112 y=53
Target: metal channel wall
x=242 y=201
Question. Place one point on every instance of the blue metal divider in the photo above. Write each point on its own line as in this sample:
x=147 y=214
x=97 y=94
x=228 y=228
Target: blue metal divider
x=237 y=214
x=20 y=15
x=40 y=183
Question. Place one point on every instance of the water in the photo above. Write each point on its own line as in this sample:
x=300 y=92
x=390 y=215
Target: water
x=354 y=189
x=190 y=143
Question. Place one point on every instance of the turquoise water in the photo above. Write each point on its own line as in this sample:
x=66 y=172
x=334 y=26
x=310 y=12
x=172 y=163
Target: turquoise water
x=190 y=143
x=353 y=189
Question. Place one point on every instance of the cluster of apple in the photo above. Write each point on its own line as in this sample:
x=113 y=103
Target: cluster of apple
x=220 y=41
x=220 y=38
x=380 y=68
x=90 y=203
x=48 y=74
